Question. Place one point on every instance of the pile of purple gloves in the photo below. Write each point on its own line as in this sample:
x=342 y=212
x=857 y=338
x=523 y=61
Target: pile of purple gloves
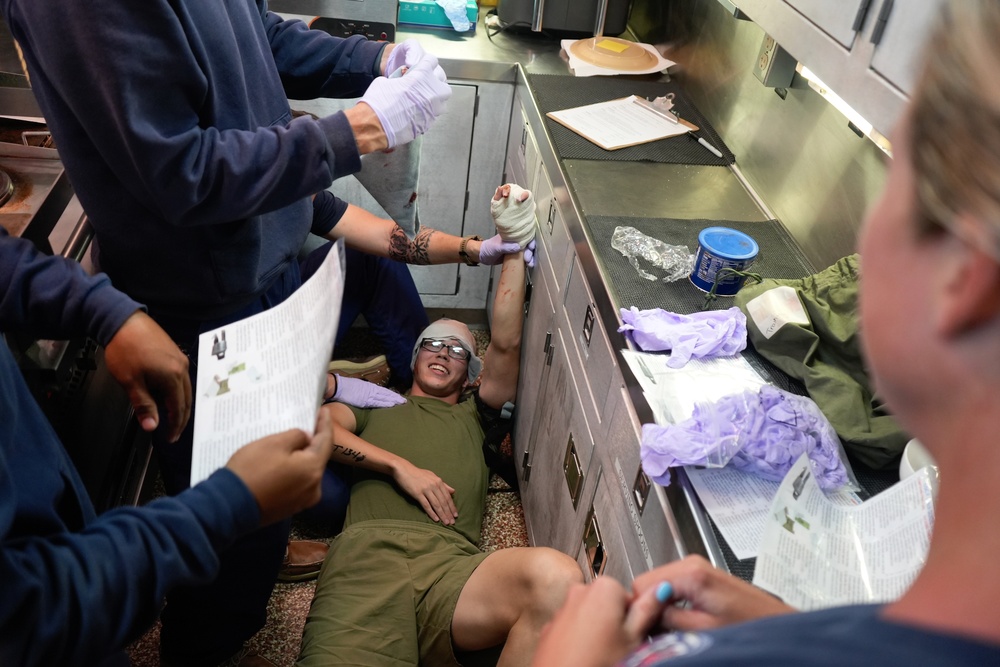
x=762 y=432
x=713 y=333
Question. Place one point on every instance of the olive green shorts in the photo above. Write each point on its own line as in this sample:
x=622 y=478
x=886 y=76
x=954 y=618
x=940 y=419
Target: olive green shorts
x=387 y=595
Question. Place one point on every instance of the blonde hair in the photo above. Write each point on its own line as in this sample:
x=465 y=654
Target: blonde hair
x=955 y=128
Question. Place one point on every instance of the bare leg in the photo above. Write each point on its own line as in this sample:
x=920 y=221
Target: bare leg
x=510 y=596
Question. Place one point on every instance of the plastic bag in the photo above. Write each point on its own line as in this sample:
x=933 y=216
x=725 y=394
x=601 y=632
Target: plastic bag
x=761 y=431
x=676 y=260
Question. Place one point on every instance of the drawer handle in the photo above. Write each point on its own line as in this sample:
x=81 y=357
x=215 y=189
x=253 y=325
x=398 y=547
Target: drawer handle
x=525 y=467
x=641 y=490
x=588 y=325
x=551 y=221
x=593 y=545
x=573 y=471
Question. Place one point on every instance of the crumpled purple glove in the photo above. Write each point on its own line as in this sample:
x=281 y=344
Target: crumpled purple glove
x=407 y=105
x=529 y=254
x=762 y=432
x=711 y=333
x=407 y=54
x=365 y=394
x=492 y=250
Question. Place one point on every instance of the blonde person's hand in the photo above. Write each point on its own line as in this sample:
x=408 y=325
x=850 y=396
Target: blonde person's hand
x=151 y=368
x=591 y=629
x=713 y=598
x=429 y=490
x=284 y=471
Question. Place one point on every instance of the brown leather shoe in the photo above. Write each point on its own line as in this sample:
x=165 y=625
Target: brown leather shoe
x=374 y=369
x=303 y=559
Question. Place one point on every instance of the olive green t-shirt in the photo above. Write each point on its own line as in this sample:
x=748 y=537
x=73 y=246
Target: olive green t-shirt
x=431 y=434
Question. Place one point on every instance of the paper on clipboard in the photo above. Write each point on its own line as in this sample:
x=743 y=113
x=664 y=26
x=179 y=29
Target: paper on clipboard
x=620 y=123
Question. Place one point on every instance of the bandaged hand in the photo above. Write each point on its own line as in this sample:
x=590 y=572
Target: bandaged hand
x=407 y=105
x=364 y=394
x=513 y=211
x=493 y=249
x=407 y=54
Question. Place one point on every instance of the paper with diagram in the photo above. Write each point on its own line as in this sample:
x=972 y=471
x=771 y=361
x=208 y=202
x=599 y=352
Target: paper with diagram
x=815 y=554
x=266 y=373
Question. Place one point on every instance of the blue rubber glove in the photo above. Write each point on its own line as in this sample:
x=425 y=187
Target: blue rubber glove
x=407 y=105
x=492 y=250
x=529 y=254
x=365 y=394
x=407 y=54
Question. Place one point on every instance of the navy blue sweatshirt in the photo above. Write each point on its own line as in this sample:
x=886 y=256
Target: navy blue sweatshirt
x=173 y=122
x=76 y=588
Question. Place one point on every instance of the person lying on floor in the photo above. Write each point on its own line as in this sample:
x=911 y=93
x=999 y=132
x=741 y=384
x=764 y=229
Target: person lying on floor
x=405 y=583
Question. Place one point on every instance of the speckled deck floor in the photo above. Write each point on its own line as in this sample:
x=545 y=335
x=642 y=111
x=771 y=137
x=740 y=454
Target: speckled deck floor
x=503 y=527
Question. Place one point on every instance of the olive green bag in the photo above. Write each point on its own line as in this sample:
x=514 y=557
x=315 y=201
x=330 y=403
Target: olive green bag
x=814 y=338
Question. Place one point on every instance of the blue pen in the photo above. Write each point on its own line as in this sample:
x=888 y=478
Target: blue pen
x=664 y=591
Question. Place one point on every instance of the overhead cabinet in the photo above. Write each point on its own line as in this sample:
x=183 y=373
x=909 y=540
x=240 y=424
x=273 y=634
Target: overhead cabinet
x=867 y=51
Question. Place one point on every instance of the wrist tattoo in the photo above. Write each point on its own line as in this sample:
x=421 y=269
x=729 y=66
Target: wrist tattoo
x=417 y=251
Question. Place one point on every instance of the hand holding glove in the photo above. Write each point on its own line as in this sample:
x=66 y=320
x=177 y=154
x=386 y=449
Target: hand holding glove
x=364 y=394
x=407 y=54
x=407 y=105
x=492 y=250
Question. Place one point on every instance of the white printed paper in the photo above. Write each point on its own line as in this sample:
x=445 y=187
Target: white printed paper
x=618 y=123
x=672 y=393
x=815 y=554
x=267 y=373
x=738 y=503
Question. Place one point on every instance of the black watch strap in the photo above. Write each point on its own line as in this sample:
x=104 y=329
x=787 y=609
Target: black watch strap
x=464 y=254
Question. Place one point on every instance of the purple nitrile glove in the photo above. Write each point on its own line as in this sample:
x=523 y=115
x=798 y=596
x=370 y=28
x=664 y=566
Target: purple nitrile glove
x=529 y=254
x=407 y=54
x=365 y=394
x=762 y=432
x=492 y=250
x=706 y=334
x=407 y=105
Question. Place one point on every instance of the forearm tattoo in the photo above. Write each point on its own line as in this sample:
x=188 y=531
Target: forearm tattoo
x=416 y=251
x=349 y=453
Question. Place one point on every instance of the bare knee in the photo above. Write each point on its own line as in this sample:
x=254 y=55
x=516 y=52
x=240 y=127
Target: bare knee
x=552 y=574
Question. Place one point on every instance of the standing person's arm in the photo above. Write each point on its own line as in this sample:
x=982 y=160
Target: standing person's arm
x=376 y=236
x=77 y=597
x=55 y=298
x=172 y=121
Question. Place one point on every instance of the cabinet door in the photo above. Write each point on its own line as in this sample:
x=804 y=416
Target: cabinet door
x=443 y=182
x=517 y=143
x=536 y=341
x=837 y=19
x=589 y=343
x=647 y=526
x=901 y=45
x=552 y=233
x=601 y=551
x=561 y=487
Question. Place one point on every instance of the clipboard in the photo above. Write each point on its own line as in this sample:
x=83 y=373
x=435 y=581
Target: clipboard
x=623 y=122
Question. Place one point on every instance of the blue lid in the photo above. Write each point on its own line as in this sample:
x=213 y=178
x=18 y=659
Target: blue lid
x=727 y=243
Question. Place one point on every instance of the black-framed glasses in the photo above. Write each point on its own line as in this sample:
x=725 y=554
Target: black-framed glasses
x=454 y=351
